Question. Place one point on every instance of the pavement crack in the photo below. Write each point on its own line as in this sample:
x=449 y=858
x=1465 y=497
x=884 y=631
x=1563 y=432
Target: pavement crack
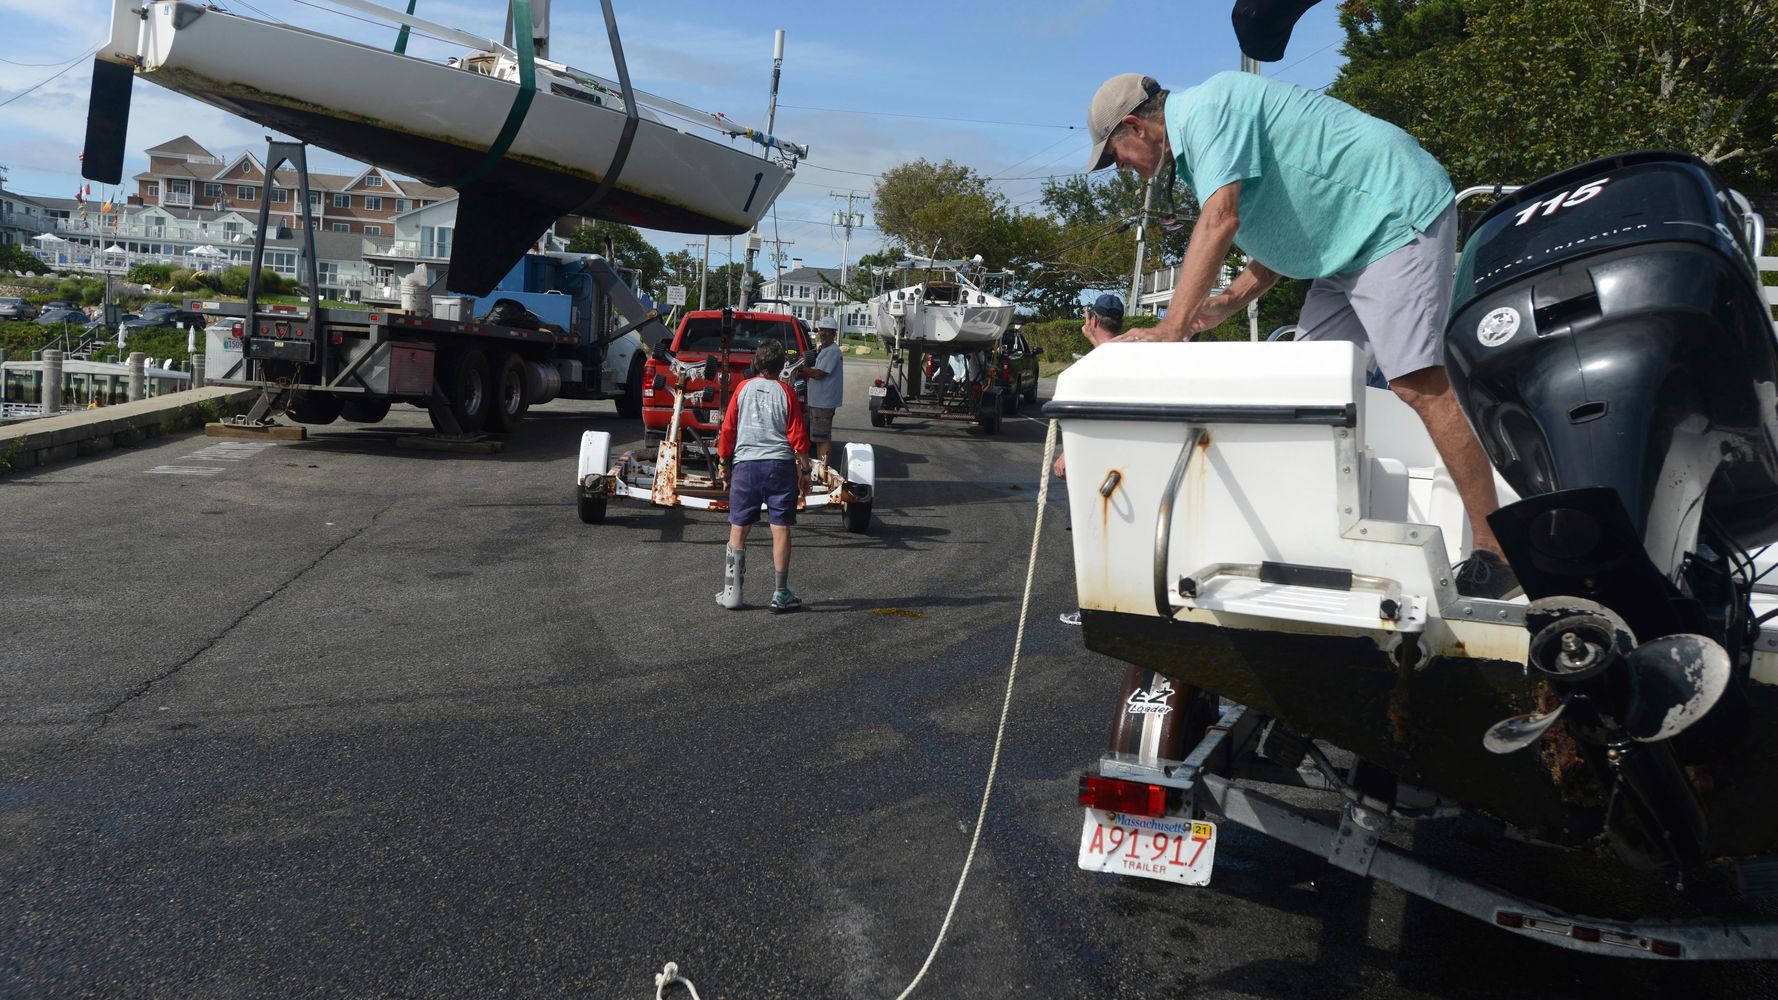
x=104 y=715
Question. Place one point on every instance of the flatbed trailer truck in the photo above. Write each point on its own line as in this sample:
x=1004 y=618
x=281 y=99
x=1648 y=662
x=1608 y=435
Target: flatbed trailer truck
x=569 y=327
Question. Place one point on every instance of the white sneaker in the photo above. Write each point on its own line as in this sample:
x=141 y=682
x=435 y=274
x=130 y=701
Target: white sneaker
x=1070 y=618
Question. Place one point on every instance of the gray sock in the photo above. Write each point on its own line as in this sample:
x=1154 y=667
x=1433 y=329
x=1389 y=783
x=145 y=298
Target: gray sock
x=783 y=576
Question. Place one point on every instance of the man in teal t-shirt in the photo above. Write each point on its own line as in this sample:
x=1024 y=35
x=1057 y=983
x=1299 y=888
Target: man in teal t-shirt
x=1310 y=187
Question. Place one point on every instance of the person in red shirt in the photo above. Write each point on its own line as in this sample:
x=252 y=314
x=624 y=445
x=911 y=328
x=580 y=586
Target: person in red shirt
x=765 y=452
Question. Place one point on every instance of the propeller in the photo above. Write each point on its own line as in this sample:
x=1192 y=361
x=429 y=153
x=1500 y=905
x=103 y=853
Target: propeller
x=1610 y=686
x=1673 y=681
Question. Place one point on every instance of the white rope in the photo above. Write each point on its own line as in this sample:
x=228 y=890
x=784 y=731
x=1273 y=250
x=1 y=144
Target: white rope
x=667 y=977
x=670 y=974
x=1012 y=673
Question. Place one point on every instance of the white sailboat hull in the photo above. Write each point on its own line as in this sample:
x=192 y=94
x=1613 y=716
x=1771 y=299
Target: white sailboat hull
x=437 y=122
x=962 y=326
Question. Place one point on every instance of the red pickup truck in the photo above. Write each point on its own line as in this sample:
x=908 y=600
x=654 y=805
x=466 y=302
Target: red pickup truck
x=699 y=339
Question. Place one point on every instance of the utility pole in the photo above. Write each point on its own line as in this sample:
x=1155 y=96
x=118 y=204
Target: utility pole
x=849 y=220
x=704 y=274
x=1131 y=305
x=753 y=240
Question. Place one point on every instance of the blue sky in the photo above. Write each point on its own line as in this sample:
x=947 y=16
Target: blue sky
x=866 y=86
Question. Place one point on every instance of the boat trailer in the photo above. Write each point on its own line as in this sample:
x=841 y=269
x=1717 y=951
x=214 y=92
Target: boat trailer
x=1244 y=748
x=667 y=478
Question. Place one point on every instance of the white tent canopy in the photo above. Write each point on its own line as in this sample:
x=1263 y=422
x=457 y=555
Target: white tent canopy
x=48 y=238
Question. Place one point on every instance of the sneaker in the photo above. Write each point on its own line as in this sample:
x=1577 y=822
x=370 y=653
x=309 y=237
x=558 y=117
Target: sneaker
x=1070 y=618
x=784 y=600
x=1486 y=575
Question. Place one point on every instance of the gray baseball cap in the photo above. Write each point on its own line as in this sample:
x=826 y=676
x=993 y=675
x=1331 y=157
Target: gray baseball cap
x=1116 y=98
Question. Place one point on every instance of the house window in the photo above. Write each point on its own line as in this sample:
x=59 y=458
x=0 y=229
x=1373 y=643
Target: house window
x=342 y=201
x=212 y=190
x=314 y=199
x=281 y=261
x=247 y=167
x=373 y=230
x=280 y=196
x=435 y=242
x=426 y=241
x=231 y=228
x=372 y=203
x=151 y=190
x=177 y=186
x=244 y=192
x=404 y=204
x=341 y=227
x=373 y=181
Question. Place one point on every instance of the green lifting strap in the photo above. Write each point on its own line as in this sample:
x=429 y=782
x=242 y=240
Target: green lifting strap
x=515 y=117
x=401 y=39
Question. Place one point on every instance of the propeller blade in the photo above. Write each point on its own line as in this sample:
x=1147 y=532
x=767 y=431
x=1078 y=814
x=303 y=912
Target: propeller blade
x=107 y=122
x=1520 y=731
x=1674 y=681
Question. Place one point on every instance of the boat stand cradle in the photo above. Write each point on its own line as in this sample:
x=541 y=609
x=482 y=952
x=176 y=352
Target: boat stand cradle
x=256 y=423
x=1232 y=754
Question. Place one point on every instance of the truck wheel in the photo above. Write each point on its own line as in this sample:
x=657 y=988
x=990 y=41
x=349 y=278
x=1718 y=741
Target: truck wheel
x=364 y=411
x=592 y=509
x=510 y=401
x=858 y=518
x=629 y=406
x=991 y=423
x=878 y=420
x=1031 y=392
x=313 y=407
x=470 y=393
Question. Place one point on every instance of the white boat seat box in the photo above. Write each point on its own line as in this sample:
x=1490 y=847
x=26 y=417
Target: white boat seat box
x=1230 y=483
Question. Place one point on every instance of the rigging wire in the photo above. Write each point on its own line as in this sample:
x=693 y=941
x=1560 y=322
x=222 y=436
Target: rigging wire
x=71 y=64
x=935 y=118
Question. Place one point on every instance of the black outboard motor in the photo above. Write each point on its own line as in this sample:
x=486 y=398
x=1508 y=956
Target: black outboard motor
x=1609 y=341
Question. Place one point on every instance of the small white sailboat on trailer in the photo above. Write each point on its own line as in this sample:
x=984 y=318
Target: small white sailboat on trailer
x=947 y=309
x=525 y=140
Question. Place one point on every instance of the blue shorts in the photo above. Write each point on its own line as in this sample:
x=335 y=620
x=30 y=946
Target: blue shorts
x=771 y=482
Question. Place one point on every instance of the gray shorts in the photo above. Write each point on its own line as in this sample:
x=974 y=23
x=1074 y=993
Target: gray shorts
x=1395 y=307
x=821 y=423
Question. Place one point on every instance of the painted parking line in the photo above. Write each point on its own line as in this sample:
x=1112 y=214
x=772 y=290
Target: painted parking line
x=222 y=451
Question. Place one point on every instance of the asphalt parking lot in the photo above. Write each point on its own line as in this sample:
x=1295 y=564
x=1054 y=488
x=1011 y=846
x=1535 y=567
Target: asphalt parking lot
x=342 y=719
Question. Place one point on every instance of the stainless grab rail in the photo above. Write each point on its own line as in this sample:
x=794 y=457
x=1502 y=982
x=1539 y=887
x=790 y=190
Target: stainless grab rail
x=1163 y=529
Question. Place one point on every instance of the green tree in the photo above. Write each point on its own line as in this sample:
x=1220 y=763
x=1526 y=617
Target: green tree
x=940 y=210
x=13 y=258
x=625 y=248
x=1509 y=90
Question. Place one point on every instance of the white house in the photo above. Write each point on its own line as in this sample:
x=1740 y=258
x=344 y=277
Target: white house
x=813 y=294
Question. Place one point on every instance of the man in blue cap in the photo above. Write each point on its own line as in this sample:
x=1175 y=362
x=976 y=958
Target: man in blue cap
x=1310 y=187
x=1100 y=322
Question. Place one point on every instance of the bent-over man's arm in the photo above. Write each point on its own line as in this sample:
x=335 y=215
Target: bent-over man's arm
x=1204 y=257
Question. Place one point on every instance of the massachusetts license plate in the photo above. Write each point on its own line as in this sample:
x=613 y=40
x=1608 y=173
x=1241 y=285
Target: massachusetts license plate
x=1171 y=849
x=879 y=390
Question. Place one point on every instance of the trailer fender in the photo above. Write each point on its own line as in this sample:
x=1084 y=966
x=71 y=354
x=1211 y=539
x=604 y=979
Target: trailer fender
x=861 y=466
x=595 y=455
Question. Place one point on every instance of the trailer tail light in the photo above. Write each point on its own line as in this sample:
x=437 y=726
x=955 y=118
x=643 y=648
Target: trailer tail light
x=235 y=330
x=1665 y=949
x=1505 y=919
x=876 y=382
x=1580 y=933
x=1136 y=798
x=338 y=339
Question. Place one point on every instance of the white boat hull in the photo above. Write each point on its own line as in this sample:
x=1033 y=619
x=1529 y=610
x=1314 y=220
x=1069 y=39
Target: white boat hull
x=437 y=122
x=961 y=326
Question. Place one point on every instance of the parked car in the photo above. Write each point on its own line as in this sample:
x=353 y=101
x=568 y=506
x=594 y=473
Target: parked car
x=98 y=322
x=54 y=317
x=60 y=304
x=17 y=309
x=159 y=314
x=1018 y=370
x=699 y=339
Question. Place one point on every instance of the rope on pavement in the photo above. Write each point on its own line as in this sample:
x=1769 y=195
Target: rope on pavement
x=1012 y=673
x=670 y=975
x=667 y=977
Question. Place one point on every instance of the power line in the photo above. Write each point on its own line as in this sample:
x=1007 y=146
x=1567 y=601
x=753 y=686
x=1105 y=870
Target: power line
x=933 y=118
x=71 y=64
